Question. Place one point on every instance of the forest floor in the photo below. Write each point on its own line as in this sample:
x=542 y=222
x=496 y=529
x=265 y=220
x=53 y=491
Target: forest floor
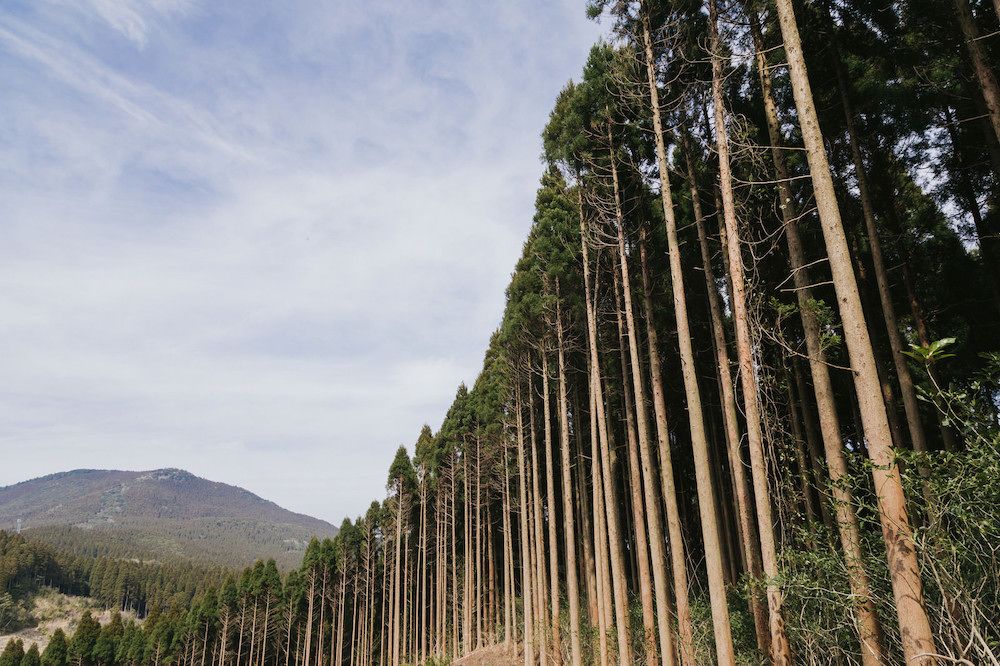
x=53 y=610
x=493 y=655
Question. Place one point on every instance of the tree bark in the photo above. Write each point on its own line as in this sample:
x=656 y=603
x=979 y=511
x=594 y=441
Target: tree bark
x=597 y=433
x=781 y=653
x=550 y=501
x=569 y=531
x=636 y=486
x=699 y=441
x=984 y=73
x=541 y=569
x=730 y=421
x=869 y=627
x=529 y=634
x=906 y=388
x=917 y=639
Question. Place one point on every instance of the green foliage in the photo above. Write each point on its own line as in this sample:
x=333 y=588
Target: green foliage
x=402 y=476
x=13 y=614
x=31 y=657
x=932 y=352
x=56 y=653
x=13 y=653
x=958 y=537
x=81 y=646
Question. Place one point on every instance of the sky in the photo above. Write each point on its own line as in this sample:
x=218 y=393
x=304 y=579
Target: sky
x=261 y=241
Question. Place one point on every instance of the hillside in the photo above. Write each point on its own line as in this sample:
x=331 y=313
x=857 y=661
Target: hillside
x=161 y=514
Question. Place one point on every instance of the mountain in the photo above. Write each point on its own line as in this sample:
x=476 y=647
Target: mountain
x=164 y=514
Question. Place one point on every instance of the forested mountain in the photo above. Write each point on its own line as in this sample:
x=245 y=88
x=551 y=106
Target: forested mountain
x=162 y=515
x=743 y=405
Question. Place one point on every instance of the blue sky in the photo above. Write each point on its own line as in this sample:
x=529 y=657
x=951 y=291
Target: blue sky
x=260 y=241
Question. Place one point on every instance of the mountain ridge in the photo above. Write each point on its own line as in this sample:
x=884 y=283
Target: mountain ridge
x=183 y=515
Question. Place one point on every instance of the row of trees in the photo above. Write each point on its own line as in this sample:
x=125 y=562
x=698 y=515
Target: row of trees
x=742 y=405
x=717 y=419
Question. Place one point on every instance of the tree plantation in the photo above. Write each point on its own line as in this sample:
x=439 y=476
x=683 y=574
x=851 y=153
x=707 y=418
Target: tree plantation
x=743 y=403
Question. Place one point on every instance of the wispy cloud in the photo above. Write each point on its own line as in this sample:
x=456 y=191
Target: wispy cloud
x=261 y=241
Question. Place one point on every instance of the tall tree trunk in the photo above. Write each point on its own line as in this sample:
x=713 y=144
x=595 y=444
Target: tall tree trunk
x=550 y=501
x=781 y=652
x=614 y=540
x=253 y=632
x=224 y=641
x=980 y=62
x=322 y=618
x=869 y=627
x=406 y=644
x=569 y=528
x=479 y=556
x=492 y=617
x=526 y=569
x=263 y=637
x=699 y=441
x=589 y=529
x=741 y=484
x=397 y=578
x=384 y=641
x=467 y=591
x=508 y=564
x=669 y=491
x=422 y=636
x=337 y=645
x=914 y=624
x=586 y=529
x=906 y=387
x=309 y=616
x=596 y=418
x=454 y=561
x=635 y=486
x=541 y=573
x=355 y=637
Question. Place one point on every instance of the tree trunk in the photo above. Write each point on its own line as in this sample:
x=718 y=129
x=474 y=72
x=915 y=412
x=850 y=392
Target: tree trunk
x=869 y=627
x=669 y=491
x=906 y=387
x=454 y=560
x=569 y=529
x=636 y=486
x=614 y=540
x=984 y=73
x=748 y=527
x=550 y=501
x=508 y=564
x=467 y=591
x=699 y=441
x=917 y=639
x=479 y=556
x=529 y=634
x=309 y=617
x=541 y=573
x=422 y=636
x=781 y=652
x=596 y=417
x=397 y=582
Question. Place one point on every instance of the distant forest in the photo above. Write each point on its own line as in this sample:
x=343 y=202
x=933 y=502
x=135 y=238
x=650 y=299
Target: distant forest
x=743 y=403
x=114 y=582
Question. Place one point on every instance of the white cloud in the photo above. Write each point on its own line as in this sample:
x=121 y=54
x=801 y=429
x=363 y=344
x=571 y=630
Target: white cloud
x=260 y=241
